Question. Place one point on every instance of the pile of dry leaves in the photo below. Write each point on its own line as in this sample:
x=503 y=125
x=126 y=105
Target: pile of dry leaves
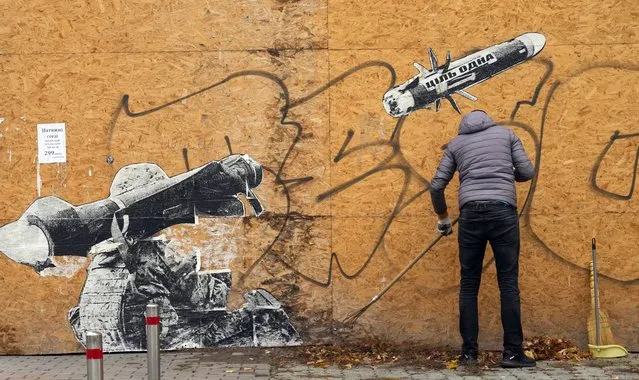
x=348 y=356
x=547 y=348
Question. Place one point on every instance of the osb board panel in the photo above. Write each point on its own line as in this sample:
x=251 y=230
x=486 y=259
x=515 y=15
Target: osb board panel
x=84 y=91
x=168 y=25
x=366 y=204
x=408 y=24
x=371 y=175
x=585 y=105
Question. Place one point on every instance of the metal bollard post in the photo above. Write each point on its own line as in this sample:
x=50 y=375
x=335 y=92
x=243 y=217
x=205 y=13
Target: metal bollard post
x=94 y=356
x=153 y=341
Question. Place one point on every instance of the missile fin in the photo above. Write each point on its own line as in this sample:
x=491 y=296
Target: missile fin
x=438 y=104
x=447 y=64
x=453 y=103
x=433 y=60
x=467 y=95
x=422 y=70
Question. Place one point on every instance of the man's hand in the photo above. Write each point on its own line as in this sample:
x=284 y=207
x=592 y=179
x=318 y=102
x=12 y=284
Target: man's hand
x=445 y=226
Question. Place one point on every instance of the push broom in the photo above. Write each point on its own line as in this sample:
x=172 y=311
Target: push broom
x=601 y=342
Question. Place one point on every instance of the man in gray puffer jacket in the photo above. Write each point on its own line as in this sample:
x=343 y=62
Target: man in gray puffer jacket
x=490 y=159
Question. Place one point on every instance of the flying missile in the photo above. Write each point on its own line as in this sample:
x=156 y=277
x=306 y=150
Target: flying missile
x=429 y=87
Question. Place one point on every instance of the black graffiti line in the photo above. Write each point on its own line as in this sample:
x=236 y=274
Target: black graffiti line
x=396 y=143
x=549 y=69
x=345 y=185
x=396 y=131
x=296 y=181
x=264 y=74
x=185 y=155
x=538 y=152
x=228 y=144
x=537 y=144
x=334 y=260
x=284 y=112
x=347 y=140
x=409 y=172
x=340 y=155
x=345 y=75
x=527 y=215
x=595 y=169
x=285 y=188
x=525 y=211
x=597 y=163
x=526 y=207
x=112 y=124
x=593 y=175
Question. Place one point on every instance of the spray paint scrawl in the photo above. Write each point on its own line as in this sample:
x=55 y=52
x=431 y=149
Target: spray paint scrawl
x=430 y=86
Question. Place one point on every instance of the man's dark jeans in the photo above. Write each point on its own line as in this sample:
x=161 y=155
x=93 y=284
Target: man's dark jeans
x=497 y=223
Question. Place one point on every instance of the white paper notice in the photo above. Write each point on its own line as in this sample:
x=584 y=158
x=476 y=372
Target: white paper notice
x=52 y=143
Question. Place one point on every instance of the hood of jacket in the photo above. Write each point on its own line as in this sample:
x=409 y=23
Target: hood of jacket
x=475 y=121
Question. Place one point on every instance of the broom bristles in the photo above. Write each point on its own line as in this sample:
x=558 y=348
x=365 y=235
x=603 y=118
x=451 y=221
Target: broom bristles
x=353 y=317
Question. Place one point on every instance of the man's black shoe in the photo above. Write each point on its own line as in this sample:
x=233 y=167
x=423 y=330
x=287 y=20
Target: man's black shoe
x=512 y=360
x=468 y=360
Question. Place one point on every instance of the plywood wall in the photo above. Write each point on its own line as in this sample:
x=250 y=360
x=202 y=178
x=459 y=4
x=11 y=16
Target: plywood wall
x=330 y=242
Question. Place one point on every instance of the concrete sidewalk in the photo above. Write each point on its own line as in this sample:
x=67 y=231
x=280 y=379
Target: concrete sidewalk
x=251 y=364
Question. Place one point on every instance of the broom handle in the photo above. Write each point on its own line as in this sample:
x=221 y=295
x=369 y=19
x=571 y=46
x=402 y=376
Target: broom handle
x=407 y=268
x=596 y=290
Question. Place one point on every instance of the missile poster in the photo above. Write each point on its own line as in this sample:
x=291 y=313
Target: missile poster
x=429 y=87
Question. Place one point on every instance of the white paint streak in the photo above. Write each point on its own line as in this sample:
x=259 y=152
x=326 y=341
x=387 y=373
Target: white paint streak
x=38 y=179
x=10 y=153
x=90 y=172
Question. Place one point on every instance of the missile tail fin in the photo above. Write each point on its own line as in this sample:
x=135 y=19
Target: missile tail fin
x=438 y=104
x=453 y=103
x=467 y=95
x=447 y=64
x=422 y=70
x=433 y=60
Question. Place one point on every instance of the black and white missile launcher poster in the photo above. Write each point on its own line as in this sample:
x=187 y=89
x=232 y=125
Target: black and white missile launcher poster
x=429 y=87
x=132 y=266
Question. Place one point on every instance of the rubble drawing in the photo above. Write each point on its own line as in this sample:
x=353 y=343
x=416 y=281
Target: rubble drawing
x=131 y=267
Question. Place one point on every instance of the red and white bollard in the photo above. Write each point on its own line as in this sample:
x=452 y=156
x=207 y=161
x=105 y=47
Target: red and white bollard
x=153 y=341
x=95 y=370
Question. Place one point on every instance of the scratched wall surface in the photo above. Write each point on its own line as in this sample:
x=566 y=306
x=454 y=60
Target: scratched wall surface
x=298 y=86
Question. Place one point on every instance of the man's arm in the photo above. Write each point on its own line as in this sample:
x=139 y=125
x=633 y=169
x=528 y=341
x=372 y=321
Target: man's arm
x=443 y=175
x=524 y=169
